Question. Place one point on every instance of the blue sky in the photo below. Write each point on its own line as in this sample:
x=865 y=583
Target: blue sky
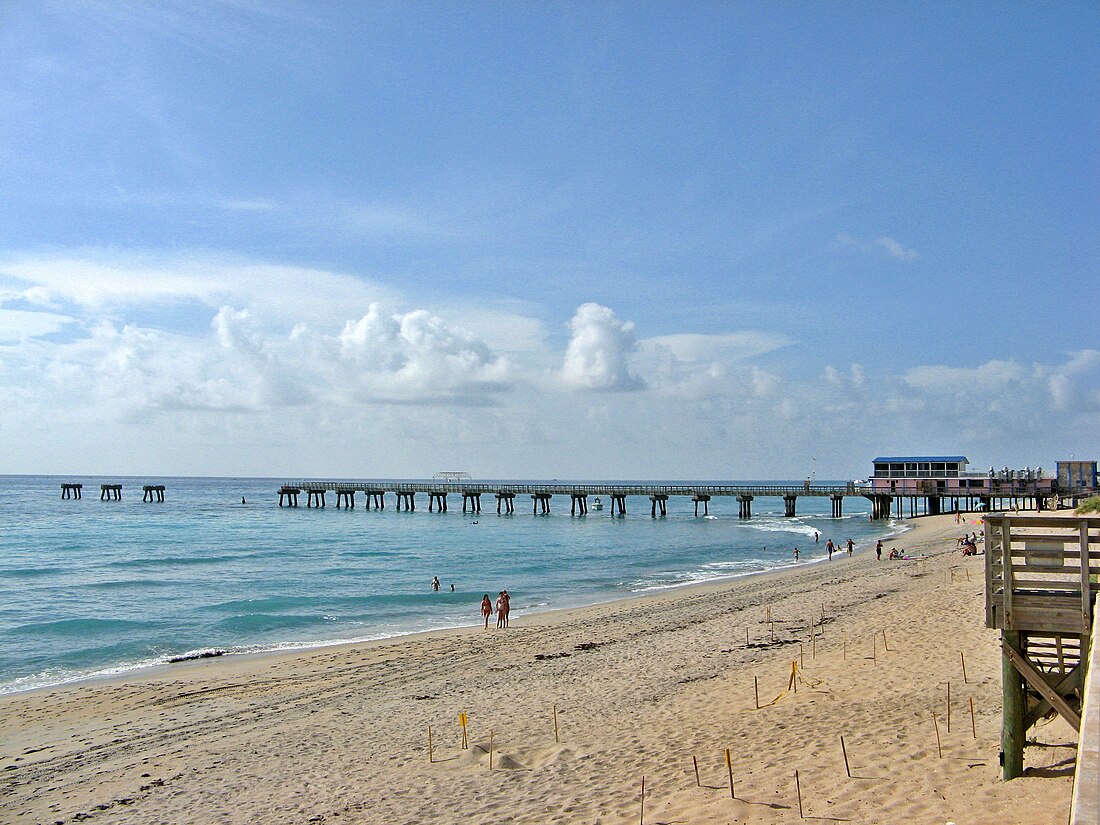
x=562 y=239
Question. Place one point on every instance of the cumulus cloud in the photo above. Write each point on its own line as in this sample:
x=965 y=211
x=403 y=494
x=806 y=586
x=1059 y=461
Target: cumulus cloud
x=599 y=351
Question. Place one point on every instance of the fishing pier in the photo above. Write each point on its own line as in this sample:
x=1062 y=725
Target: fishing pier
x=542 y=495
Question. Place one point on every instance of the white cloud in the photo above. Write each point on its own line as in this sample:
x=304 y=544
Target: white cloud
x=891 y=246
x=17 y=324
x=599 y=351
x=728 y=347
x=896 y=249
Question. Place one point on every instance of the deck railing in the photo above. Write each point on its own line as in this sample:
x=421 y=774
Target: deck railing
x=1040 y=573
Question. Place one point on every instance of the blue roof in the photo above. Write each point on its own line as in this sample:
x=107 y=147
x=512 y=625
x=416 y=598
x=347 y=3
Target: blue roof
x=893 y=459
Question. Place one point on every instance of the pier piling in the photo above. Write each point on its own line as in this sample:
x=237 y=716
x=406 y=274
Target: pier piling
x=152 y=492
x=508 y=499
x=71 y=490
x=658 y=500
x=110 y=492
x=705 y=499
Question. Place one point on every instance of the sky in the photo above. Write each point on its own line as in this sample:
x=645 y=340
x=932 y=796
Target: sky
x=591 y=240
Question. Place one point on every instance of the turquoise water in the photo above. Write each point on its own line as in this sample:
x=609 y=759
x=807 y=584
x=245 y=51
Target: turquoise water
x=93 y=587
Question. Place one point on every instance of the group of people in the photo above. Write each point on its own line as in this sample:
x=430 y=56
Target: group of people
x=502 y=608
x=502 y=605
x=832 y=548
x=968 y=544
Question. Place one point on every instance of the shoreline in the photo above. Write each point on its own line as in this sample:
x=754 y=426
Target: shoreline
x=637 y=687
x=138 y=670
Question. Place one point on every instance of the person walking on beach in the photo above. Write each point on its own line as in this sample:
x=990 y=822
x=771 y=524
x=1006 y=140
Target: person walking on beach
x=486 y=609
x=796 y=554
x=435 y=584
x=878 y=549
x=502 y=609
x=851 y=545
x=817 y=536
x=829 y=548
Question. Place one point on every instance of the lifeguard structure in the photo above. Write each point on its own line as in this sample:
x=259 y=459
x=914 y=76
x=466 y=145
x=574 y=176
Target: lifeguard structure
x=1041 y=580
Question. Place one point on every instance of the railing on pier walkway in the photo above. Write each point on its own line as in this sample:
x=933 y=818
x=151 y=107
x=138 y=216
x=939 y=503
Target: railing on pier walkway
x=600 y=489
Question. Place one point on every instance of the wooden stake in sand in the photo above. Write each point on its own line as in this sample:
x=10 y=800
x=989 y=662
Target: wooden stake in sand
x=729 y=770
x=949 y=706
x=695 y=762
x=794 y=676
x=490 y=750
x=798 y=791
x=641 y=816
x=874 y=648
x=462 y=722
x=885 y=643
x=939 y=747
x=756 y=691
x=556 y=724
x=746 y=635
x=844 y=751
x=430 y=756
x=963 y=660
x=973 y=724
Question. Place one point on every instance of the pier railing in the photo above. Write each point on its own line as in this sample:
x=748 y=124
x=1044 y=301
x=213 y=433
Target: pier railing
x=600 y=489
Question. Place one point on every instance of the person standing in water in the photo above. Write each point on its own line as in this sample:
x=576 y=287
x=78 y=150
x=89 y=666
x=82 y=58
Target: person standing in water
x=435 y=584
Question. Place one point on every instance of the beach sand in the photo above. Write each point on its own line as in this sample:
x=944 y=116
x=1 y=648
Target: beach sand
x=641 y=687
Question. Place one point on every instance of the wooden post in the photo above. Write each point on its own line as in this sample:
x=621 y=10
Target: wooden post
x=641 y=817
x=949 y=706
x=430 y=755
x=973 y=724
x=746 y=635
x=756 y=691
x=729 y=769
x=885 y=643
x=695 y=762
x=798 y=791
x=490 y=750
x=1013 y=700
x=939 y=747
x=556 y=724
x=962 y=659
x=844 y=751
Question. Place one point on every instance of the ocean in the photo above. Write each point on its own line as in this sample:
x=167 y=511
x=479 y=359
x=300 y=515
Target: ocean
x=93 y=588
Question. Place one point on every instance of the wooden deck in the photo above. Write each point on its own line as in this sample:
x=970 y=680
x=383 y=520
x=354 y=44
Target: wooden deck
x=1041 y=575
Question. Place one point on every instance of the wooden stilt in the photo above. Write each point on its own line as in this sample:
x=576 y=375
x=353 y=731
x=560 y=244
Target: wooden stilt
x=1014 y=702
x=695 y=762
x=844 y=751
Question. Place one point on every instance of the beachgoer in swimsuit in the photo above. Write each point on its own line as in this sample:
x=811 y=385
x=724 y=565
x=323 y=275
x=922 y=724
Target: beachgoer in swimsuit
x=435 y=584
x=851 y=545
x=486 y=609
x=500 y=609
x=829 y=547
x=796 y=554
x=878 y=549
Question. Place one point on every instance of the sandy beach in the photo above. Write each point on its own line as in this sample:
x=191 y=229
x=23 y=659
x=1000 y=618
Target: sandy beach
x=648 y=687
